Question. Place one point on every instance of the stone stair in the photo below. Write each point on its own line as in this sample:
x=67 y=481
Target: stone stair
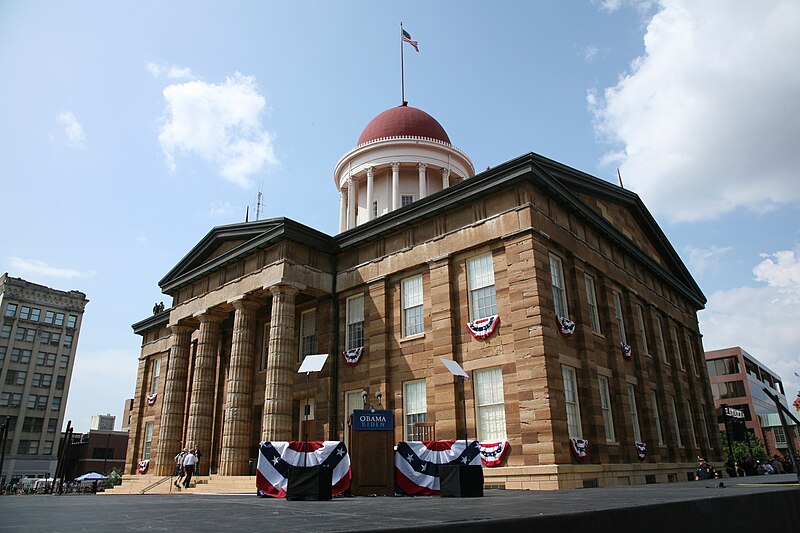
x=214 y=484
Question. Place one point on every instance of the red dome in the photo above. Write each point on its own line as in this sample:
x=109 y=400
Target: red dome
x=403 y=121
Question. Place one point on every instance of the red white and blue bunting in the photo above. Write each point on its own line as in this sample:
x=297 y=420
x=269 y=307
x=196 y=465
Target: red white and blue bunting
x=416 y=464
x=494 y=453
x=580 y=448
x=565 y=326
x=275 y=458
x=641 y=450
x=352 y=356
x=144 y=465
x=627 y=351
x=483 y=327
x=151 y=399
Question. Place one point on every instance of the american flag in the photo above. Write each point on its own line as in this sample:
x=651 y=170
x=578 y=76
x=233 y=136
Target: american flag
x=416 y=464
x=275 y=458
x=407 y=39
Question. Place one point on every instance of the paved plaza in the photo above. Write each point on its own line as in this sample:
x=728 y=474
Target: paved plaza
x=741 y=505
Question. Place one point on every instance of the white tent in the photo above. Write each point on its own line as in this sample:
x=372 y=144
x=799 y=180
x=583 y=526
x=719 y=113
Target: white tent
x=91 y=476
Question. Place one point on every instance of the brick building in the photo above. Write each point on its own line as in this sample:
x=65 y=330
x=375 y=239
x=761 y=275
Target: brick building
x=426 y=247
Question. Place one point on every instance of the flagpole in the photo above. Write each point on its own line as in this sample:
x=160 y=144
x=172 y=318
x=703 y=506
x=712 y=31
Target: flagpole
x=402 y=73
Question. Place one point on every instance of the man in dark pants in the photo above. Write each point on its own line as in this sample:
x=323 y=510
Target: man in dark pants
x=188 y=465
x=704 y=470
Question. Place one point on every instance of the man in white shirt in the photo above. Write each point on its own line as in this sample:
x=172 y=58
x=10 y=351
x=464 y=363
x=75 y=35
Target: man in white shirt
x=188 y=466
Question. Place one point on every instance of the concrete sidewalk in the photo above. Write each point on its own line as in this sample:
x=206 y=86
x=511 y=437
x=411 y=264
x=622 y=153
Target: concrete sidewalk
x=745 y=504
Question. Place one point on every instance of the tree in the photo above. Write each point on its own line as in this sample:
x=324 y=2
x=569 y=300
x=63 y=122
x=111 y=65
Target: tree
x=752 y=446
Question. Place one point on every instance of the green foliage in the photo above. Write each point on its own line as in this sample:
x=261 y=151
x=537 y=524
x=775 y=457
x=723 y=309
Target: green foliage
x=753 y=446
x=114 y=477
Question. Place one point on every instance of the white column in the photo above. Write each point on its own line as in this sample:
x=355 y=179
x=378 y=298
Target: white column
x=395 y=186
x=351 y=202
x=342 y=210
x=370 y=192
x=423 y=185
x=445 y=178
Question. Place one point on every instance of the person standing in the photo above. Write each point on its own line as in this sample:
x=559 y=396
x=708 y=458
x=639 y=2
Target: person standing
x=704 y=470
x=188 y=467
x=179 y=472
x=197 y=454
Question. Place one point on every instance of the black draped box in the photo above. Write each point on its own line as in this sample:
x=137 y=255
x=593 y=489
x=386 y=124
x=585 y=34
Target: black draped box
x=309 y=483
x=461 y=481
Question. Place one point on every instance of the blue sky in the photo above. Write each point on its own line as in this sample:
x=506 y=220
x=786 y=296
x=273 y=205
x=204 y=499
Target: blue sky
x=130 y=129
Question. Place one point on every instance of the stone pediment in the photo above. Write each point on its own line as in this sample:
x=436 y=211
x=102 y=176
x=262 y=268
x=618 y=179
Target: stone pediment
x=224 y=245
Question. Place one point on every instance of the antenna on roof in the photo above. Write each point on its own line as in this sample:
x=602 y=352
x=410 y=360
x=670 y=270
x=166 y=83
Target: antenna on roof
x=620 y=179
x=258 y=202
x=247 y=214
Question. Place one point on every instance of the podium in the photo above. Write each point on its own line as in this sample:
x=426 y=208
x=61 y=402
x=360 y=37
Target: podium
x=372 y=452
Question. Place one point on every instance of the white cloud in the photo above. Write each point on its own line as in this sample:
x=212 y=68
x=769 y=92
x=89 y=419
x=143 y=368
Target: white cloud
x=760 y=318
x=221 y=123
x=589 y=53
x=169 y=71
x=35 y=267
x=702 y=260
x=72 y=129
x=706 y=121
x=221 y=208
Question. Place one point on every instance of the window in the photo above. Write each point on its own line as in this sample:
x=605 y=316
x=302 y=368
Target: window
x=678 y=355
x=148 y=440
x=37 y=380
x=59 y=319
x=728 y=389
x=662 y=350
x=490 y=406
x=620 y=322
x=47 y=449
x=24 y=312
x=413 y=321
x=480 y=282
x=72 y=320
x=51 y=424
x=48 y=317
x=59 y=382
x=704 y=426
x=591 y=298
x=691 y=358
x=679 y=441
x=19 y=355
x=406 y=199
x=723 y=366
x=3 y=351
x=55 y=338
x=605 y=408
x=637 y=432
x=308 y=333
x=5 y=331
x=780 y=435
x=656 y=417
x=11 y=310
x=38 y=401
x=559 y=288
x=571 y=402
x=33 y=424
x=28 y=447
x=355 y=322
x=642 y=331
x=68 y=341
x=690 y=417
x=155 y=373
x=415 y=406
x=45 y=335
x=35 y=314
x=16 y=377
x=10 y=399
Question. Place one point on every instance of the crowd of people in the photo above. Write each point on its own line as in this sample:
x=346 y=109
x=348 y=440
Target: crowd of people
x=745 y=466
x=186 y=466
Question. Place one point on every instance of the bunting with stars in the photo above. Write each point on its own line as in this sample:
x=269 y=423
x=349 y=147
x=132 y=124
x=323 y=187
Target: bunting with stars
x=416 y=464
x=275 y=458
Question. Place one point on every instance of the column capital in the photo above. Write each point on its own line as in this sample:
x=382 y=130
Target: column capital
x=396 y=167
x=245 y=301
x=284 y=290
x=422 y=166
x=370 y=172
x=210 y=315
x=181 y=328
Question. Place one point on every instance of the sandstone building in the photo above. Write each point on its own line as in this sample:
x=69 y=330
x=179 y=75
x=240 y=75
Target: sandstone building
x=426 y=247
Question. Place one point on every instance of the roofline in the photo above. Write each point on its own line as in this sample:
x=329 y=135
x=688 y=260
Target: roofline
x=158 y=319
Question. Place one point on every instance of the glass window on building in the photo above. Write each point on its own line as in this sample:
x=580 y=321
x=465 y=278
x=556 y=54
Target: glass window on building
x=605 y=408
x=413 y=320
x=480 y=283
x=56 y=404
x=35 y=313
x=637 y=432
x=656 y=416
x=591 y=299
x=47 y=449
x=52 y=424
x=59 y=321
x=72 y=321
x=5 y=331
x=723 y=366
x=690 y=418
x=49 y=316
x=28 y=447
x=560 y=305
x=148 y=440
x=619 y=316
x=3 y=351
x=155 y=374
x=415 y=406
x=780 y=435
x=24 y=312
x=490 y=404
x=728 y=389
x=677 y=344
x=68 y=341
x=355 y=322
x=11 y=310
x=676 y=424
x=642 y=329
x=406 y=199
x=660 y=344
x=308 y=333
x=47 y=380
x=571 y=401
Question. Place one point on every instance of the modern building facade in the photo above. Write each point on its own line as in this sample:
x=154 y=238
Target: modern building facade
x=97 y=450
x=556 y=291
x=738 y=380
x=39 y=330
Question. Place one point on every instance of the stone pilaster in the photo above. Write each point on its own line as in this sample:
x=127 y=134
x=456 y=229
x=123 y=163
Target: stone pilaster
x=277 y=423
x=173 y=406
x=352 y=203
x=236 y=433
x=445 y=178
x=395 y=186
x=423 y=181
x=370 y=192
x=201 y=406
x=342 y=210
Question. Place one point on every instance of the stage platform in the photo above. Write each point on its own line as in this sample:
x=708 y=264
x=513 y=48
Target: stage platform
x=745 y=504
